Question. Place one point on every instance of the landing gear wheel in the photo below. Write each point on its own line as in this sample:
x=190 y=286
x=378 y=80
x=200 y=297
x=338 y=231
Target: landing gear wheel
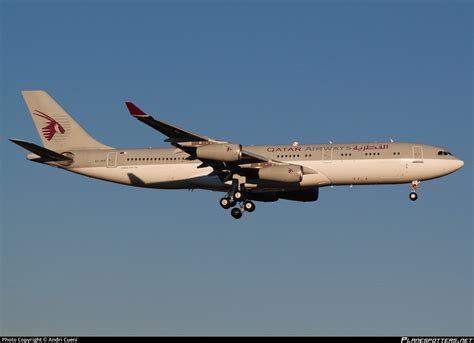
x=236 y=213
x=238 y=195
x=413 y=196
x=225 y=203
x=249 y=206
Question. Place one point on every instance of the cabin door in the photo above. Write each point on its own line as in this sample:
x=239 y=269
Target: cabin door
x=111 y=160
x=327 y=153
x=417 y=152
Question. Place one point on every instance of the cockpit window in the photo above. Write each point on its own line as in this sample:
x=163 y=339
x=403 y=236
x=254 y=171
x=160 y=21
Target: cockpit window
x=444 y=153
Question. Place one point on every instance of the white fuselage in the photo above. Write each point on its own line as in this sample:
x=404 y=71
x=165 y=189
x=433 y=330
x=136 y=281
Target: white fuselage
x=345 y=164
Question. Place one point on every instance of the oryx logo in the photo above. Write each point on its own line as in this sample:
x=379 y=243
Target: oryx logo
x=52 y=126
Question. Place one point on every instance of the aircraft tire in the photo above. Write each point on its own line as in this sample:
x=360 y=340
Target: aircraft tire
x=236 y=213
x=249 y=206
x=225 y=203
x=238 y=195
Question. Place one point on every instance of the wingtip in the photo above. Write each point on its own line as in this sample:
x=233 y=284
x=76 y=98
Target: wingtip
x=134 y=110
x=14 y=140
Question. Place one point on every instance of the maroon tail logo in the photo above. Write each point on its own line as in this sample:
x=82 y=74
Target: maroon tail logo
x=52 y=126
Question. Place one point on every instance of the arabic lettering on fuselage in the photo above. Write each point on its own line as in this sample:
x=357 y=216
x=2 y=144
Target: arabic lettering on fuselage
x=370 y=147
x=363 y=147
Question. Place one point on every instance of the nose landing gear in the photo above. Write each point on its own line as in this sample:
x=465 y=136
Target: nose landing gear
x=414 y=186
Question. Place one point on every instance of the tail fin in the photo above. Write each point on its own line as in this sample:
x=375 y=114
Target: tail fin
x=57 y=129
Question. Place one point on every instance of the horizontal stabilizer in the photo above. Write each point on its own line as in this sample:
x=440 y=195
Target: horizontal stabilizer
x=40 y=151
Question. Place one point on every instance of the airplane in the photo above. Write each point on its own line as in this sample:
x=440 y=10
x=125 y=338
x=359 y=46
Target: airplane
x=245 y=173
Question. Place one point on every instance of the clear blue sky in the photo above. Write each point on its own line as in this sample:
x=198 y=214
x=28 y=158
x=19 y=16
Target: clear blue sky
x=81 y=256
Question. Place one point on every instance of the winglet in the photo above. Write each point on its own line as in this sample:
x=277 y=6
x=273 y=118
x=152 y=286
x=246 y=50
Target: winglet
x=134 y=110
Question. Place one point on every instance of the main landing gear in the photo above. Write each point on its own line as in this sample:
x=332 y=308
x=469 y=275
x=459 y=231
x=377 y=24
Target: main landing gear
x=414 y=186
x=231 y=200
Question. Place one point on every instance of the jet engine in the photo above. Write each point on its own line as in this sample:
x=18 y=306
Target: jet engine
x=281 y=173
x=220 y=152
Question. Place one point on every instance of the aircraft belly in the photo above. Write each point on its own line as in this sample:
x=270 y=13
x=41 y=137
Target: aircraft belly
x=155 y=176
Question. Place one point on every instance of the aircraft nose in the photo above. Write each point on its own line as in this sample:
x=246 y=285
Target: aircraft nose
x=458 y=164
x=451 y=165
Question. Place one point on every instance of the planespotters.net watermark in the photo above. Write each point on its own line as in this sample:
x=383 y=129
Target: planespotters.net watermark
x=437 y=340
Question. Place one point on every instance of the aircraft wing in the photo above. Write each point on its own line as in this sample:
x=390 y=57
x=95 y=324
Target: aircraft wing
x=174 y=134
x=183 y=139
x=189 y=142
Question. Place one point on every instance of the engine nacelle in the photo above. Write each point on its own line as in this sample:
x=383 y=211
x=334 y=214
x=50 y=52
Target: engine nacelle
x=220 y=152
x=281 y=173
